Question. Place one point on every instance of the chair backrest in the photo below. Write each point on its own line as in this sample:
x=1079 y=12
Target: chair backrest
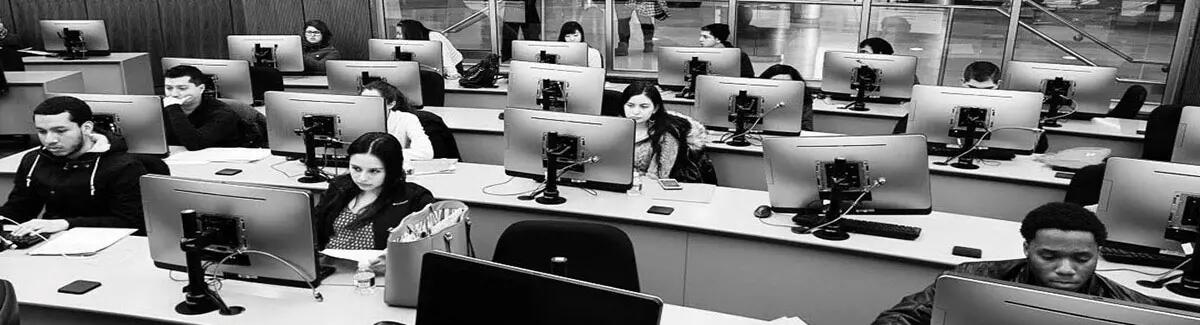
x=444 y=145
x=596 y=253
x=264 y=79
x=433 y=89
x=8 y=304
x=254 y=123
x=1161 y=127
x=1085 y=185
x=611 y=105
x=1130 y=104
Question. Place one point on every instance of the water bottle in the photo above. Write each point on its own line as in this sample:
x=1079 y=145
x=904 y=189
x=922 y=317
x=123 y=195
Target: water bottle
x=364 y=279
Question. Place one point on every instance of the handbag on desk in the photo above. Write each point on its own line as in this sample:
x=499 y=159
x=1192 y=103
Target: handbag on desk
x=404 y=253
x=483 y=74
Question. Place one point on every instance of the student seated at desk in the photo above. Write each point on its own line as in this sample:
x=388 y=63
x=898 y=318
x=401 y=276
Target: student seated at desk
x=194 y=120
x=573 y=32
x=717 y=35
x=80 y=178
x=787 y=72
x=978 y=75
x=877 y=45
x=360 y=207
x=1061 y=252
x=666 y=144
x=451 y=58
x=316 y=46
x=401 y=122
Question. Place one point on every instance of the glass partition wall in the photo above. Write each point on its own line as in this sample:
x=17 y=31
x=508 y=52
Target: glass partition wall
x=1141 y=38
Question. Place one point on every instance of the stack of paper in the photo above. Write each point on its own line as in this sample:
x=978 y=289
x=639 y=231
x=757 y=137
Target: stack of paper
x=81 y=241
x=219 y=155
x=434 y=166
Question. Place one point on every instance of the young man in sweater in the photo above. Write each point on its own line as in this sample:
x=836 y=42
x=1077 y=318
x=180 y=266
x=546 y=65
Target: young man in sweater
x=194 y=120
x=717 y=35
x=80 y=178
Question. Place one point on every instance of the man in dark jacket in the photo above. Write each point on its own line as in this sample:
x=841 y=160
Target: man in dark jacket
x=1061 y=251
x=194 y=120
x=717 y=35
x=80 y=178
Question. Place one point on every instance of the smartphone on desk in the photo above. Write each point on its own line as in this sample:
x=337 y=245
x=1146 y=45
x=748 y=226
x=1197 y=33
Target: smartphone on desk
x=669 y=184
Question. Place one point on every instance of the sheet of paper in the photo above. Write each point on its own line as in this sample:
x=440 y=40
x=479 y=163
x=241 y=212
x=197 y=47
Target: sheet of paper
x=356 y=255
x=691 y=192
x=81 y=241
x=211 y=155
x=434 y=166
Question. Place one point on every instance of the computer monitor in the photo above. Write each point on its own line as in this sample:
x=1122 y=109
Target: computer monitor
x=1187 y=138
x=565 y=53
x=237 y=212
x=966 y=299
x=580 y=137
x=771 y=106
x=1083 y=90
x=1138 y=197
x=803 y=171
x=336 y=120
x=676 y=63
x=427 y=53
x=136 y=118
x=229 y=78
x=875 y=76
x=86 y=37
x=555 y=87
x=348 y=77
x=457 y=289
x=946 y=115
x=281 y=52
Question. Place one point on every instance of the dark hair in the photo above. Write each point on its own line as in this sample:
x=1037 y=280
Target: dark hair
x=1063 y=216
x=79 y=110
x=720 y=31
x=413 y=30
x=390 y=95
x=326 y=34
x=981 y=71
x=194 y=75
x=878 y=45
x=389 y=151
x=661 y=122
x=779 y=69
x=571 y=27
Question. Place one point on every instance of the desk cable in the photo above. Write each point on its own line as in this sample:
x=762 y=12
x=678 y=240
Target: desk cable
x=1161 y=275
x=878 y=182
x=1056 y=117
x=984 y=136
x=217 y=270
x=731 y=134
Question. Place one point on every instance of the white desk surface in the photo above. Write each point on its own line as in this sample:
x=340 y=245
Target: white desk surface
x=450 y=84
x=35 y=77
x=114 y=57
x=131 y=285
x=9 y=164
x=877 y=110
x=1118 y=128
x=1021 y=169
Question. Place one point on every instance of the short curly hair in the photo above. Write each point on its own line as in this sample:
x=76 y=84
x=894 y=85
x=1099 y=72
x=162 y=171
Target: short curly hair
x=1063 y=216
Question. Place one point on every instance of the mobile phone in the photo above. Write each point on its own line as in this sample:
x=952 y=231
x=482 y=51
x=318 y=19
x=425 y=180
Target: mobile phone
x=669 y=184
x=658 y=209
x=79 y=287
x=229 y=172
x=1066 y=175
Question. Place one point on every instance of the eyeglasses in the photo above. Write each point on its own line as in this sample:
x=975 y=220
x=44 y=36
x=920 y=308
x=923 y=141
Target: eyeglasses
x=312 y=32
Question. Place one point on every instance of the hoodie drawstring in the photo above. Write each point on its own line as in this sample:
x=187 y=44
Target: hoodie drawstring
x=29 y=175
x=92 y=180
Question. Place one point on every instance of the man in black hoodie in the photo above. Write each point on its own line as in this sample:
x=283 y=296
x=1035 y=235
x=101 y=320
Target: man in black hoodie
x=80 y=178
x=195 y=120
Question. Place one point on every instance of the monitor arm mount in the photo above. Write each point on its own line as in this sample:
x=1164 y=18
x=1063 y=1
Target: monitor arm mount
x=550 y=196
x=400 y=55
x=693 y=68
x=836 y=196
x=742 y=108
x=552 y=95
x=198 y=297
x=314 y=125
x=864 y=79
x=543 y=57
x=266 y=56
x=1055 y=91
x=965 y=159
x=73 y=42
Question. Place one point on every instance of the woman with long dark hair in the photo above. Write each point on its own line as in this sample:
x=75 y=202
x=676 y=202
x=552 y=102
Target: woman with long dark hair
x=572 y=31
x=316 y=46
x=402 y=121
x=360 y=207
x=666 y=144
x=451 y=58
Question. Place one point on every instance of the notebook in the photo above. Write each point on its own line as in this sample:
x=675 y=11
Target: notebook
x=81 y=241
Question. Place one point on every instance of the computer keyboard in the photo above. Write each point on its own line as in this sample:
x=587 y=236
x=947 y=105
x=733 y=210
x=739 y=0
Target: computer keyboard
x=334 y=162
x=864 y=227
x=989 y=154
x=22 y=242
x=1125 y=256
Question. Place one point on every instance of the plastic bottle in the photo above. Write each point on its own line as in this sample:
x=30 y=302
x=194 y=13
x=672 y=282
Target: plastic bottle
x=364 y=279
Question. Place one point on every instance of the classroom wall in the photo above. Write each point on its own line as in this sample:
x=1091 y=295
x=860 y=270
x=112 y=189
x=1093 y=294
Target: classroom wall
x=195 y=28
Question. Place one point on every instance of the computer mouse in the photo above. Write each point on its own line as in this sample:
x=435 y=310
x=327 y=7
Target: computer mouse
x=763 y=211
x=388 y=322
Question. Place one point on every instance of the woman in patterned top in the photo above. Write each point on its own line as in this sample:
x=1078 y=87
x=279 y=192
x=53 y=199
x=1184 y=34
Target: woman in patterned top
x=361 y=207
x=666 y=144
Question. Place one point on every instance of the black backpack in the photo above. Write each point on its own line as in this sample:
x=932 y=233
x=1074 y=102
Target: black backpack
x=483 y=74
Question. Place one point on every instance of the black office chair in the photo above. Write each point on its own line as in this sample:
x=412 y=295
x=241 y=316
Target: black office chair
x=8 y=304
x=444 y=145
x=433 y=89
x=1130 y=104
x=611 y=104
x=264 y=79
x=596 y=253
x=1161 y=127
